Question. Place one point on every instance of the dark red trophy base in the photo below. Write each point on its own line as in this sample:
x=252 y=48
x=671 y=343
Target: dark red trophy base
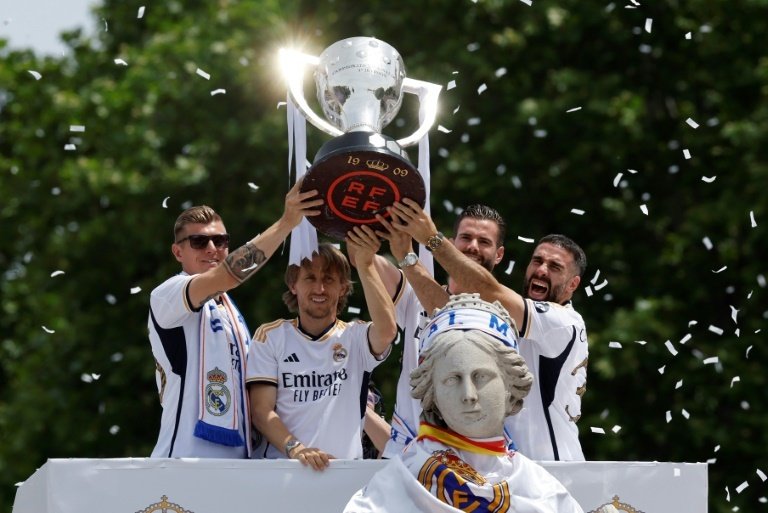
x=358 y=180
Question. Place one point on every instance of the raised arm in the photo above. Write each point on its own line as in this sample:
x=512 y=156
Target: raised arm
x=470 y=276
x=248 y=259
x=430 y=293
x=362 y=245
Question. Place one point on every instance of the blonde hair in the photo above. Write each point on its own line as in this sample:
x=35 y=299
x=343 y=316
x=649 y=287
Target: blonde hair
x=201 y=214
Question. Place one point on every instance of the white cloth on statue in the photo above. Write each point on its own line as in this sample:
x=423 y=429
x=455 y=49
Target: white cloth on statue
x=509 y=483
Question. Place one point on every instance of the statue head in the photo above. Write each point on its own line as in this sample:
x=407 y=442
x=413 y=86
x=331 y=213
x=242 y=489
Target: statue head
x=470 y=376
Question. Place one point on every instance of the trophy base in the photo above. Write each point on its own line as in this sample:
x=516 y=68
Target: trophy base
x=359 y=175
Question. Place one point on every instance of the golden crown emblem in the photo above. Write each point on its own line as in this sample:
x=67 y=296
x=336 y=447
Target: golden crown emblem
x=217 y=376
x=377 y=164
x=164 y=506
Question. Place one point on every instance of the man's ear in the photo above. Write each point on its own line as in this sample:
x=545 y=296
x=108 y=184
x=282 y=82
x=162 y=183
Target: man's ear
x=573 y=284
x=499 y=255
x=176 y=250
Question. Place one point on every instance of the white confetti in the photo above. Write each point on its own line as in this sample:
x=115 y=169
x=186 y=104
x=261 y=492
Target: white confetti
x=742 y=487
x=686 y=338
x=616 y=428
x=688 y=35
x=687 y=153
x=648 y=24
x=632 y=171
x=510 y=267
x=679 y=384
x=708 y=179
x=736 y=379
x=527 y=2
x=456 y=109
x=641 y=342
x=737 y=332
x=727 y=494
x=165 y=201
x=56 y=273
x=482 y=89
x=707 y=243
x=441 y=128
x=114 y=430
x=203 y=74
x=762 y=475
x=524 y=239
x=723 y=268
x=48 y=330
x=685 y=414
x=253 y=186
x=141 y=12
x=692 y=123
x=121 y=62
x=761 y=280
x=353 y=310
x=451 y=85
x=135 y=290
x=746 y=354
x=588 y=290
x=617 y=179
x=35 y=74
x=573 y=109
x=70 y=147
x=598 y=430
x=753 y=223
x=644 y=209
x=595 y=277
x=734 y=314
x=447 y=205
x=76 y=128
x=281 y=104
x=500 y=72
x=676 y=472
x=671 y=348
x=714 y=329
x=218 y=91
x=662 y=369
x=614 y=345
x=668 y=416
x=711 y=359
x=601 y=285
x=577 y=211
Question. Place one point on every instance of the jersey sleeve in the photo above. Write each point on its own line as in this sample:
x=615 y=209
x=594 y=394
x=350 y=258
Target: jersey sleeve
x=170 y=301
x=542 y=322
x=262 y=364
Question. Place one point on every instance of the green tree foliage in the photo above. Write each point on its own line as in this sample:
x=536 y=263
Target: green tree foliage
x=544 y=107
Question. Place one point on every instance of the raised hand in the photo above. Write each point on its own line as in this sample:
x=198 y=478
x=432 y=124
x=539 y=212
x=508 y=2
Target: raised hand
x=301 y=204
x=410 y=218
x=362 y=244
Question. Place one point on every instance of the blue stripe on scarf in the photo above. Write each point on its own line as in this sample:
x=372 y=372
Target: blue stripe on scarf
x=218 y=435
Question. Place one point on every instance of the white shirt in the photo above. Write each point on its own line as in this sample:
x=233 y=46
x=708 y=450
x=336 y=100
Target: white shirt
x=322 y=384
x=174 y=334
x=553 y=341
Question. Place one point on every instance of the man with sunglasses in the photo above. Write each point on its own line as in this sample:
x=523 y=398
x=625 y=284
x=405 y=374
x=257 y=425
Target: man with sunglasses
x=199 y=338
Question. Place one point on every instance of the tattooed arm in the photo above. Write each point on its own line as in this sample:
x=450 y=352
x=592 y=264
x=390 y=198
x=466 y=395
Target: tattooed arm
x=245 y=261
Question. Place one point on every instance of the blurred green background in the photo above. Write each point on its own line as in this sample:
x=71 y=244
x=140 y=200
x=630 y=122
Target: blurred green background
x=567 y=116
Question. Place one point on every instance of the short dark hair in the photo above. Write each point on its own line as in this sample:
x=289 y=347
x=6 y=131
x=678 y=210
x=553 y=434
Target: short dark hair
x=561 y=241
x=333 y=261
x=483 y=212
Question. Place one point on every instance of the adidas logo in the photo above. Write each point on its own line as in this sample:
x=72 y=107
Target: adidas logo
x=292 y=359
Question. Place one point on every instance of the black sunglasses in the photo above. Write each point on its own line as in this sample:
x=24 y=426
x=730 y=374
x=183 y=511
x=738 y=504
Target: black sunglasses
x=199 y=241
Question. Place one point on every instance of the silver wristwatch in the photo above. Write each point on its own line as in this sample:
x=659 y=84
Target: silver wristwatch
x=290 y=446
x=409 y=260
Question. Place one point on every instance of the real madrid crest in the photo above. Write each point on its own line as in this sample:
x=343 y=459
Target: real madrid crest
x=217 y=396
x=339 y=352
x=164 y=506
x=615 y=506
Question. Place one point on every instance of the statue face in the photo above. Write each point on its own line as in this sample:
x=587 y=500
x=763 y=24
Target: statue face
x=470 y=392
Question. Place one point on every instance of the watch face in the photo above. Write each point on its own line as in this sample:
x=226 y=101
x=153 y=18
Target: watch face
x=411 y=259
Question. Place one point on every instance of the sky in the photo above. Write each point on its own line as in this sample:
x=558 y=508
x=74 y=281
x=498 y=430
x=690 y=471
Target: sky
x=38 y=23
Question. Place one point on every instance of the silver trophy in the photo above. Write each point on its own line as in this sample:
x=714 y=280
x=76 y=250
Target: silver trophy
x=360 y=84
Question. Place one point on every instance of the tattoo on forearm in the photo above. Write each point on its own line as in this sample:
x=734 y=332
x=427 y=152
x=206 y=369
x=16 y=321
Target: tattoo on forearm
x=212 y=296
x=244 y=261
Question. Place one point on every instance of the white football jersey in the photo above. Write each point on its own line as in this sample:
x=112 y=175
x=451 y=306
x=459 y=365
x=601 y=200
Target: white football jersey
x=553 y=341
x=322 y=384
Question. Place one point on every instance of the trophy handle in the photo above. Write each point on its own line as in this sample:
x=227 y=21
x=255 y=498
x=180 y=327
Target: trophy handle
x=428 y=93
x=293 y=64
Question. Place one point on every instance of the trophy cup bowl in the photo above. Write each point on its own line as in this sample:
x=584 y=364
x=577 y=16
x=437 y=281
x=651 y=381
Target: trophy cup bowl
x=360 y=83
